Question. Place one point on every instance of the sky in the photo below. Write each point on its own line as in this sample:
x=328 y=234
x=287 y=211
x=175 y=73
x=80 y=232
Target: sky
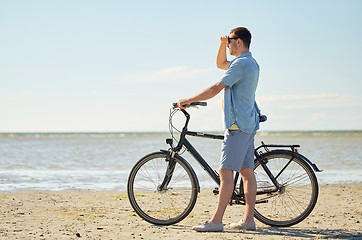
x=117 y=66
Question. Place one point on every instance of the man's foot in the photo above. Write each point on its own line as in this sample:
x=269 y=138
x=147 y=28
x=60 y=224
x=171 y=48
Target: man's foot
x=243 y=225
x=209 y=227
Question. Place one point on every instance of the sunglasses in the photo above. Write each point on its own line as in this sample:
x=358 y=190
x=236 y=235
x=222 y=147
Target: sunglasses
x=232 y=38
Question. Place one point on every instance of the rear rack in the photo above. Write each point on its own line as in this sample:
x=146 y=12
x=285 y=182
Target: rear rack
x=267 y=146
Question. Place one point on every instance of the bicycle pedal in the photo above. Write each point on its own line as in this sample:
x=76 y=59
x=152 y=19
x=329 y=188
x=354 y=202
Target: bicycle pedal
x=261 y=201
x=240 y=202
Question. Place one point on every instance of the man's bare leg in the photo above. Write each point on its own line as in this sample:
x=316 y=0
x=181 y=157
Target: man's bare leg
x=225 y=192
x=249 y=183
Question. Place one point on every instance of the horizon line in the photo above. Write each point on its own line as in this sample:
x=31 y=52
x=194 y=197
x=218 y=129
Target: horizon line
x=163 y=132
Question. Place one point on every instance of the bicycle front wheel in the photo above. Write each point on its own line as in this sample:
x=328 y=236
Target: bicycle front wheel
x=296 y=195
x=162 y=206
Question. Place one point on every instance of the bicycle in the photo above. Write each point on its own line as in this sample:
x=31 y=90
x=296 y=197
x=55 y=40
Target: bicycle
x=163 y=187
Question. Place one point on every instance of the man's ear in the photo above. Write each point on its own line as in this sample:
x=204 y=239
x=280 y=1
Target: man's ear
x=240 y=42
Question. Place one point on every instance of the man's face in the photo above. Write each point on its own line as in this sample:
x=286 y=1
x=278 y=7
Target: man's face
x=233 y=44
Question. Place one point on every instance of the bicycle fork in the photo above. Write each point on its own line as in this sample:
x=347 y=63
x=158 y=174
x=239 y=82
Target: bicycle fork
x=169 y=172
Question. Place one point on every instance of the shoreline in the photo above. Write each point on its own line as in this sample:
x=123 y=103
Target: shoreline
x=90 y=214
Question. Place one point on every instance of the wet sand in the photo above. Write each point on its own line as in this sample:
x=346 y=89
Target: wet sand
x=86 y=214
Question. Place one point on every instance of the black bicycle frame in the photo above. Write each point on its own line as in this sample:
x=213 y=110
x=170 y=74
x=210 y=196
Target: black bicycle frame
x=214 y=174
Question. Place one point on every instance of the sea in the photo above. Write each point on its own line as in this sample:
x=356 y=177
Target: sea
x=103 y=161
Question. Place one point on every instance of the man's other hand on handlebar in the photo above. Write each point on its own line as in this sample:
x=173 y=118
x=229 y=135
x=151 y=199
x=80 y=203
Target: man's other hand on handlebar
x=182 y=103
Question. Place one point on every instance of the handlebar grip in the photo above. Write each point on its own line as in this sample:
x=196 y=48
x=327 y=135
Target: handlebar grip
x=202 y=104
x=194 y=104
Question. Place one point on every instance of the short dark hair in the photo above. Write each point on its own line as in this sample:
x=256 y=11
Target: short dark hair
x=244 y=34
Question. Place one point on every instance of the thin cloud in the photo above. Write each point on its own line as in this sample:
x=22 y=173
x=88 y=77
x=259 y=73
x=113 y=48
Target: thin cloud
x=170 y=74
x=304 y=101
x=298 y=97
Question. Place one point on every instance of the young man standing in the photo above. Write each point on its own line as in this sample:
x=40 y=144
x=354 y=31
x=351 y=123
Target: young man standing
x=241 y=123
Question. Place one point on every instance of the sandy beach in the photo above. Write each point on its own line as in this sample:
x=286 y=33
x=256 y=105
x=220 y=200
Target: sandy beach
x=86 y=214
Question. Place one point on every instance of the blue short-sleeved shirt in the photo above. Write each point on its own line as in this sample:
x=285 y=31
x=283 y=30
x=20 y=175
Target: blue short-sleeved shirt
x=241 y=79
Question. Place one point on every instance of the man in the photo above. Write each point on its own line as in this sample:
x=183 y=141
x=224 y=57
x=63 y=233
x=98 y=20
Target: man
x=241 y=123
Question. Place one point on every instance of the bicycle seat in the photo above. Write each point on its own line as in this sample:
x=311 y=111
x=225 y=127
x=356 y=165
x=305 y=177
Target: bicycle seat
x=262 y=118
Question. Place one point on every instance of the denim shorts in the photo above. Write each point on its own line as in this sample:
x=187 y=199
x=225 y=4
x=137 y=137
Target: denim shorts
x=237 y=150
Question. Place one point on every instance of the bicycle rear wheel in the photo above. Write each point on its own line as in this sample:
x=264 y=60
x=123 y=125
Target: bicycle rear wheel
x=298 y=192
x=166 y=206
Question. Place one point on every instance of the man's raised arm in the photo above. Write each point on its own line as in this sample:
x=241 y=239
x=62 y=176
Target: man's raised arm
x=221 y=60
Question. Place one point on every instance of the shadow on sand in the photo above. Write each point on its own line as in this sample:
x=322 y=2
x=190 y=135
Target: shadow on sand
x=293 y=232
x=309 y=233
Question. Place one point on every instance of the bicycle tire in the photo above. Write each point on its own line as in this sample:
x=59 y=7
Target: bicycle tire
x=162 y=207
x=298 y=193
